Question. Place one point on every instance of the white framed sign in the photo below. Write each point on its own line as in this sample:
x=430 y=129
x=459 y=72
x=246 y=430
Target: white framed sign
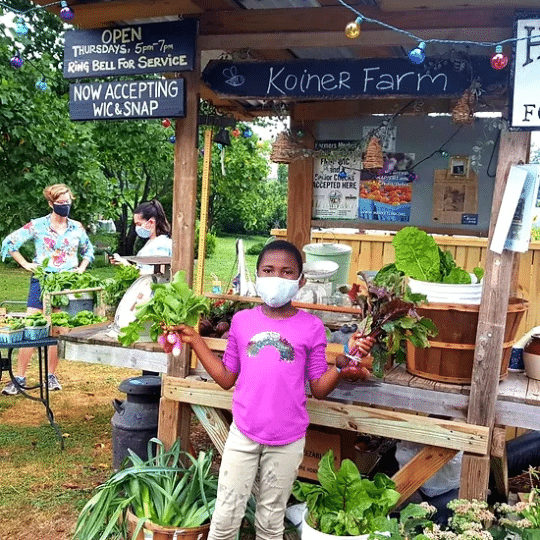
x=525 y=104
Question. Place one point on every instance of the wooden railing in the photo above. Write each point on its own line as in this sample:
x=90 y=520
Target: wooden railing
x=373 y=251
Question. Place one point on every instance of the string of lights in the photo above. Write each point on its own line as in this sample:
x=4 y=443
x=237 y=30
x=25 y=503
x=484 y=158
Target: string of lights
x=417 y=55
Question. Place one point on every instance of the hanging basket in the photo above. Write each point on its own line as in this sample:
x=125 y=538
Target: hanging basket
x=463 y=112
x=373 y=158
x=285 y=149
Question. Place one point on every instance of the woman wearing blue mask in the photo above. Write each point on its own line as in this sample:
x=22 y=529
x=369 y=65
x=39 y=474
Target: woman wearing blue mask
x=62 y=242
x=151 y=224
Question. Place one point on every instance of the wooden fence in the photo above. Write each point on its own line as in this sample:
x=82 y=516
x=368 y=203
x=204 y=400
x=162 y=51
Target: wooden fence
x=373 y=251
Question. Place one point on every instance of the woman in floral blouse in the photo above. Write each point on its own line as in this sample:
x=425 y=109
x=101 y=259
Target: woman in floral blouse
x=60 y=240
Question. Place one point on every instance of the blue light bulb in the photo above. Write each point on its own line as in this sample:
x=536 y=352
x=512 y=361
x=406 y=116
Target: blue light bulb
x=247 y=133
x=21 y=28
x=172 y=139
x=342 y=175
x=41 y=85
x=66 y=12
x=418 y=54
x=16 y=61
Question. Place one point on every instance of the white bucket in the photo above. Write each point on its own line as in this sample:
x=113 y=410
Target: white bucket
x=308 y=533
x=339 y=253
x=448 y=293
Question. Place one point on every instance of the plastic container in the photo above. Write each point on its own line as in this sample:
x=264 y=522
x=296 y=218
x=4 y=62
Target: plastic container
x=135 y=421
x=450 y=293
x=339 y=253
x=79 y=302
x=32 y=333
x=8 y=336
x=319 y=270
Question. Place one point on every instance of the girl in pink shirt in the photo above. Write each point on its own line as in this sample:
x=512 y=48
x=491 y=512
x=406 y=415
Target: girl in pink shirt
x=272 y=349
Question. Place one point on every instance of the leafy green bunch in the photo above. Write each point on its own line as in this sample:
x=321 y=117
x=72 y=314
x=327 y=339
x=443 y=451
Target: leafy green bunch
x=82 y=318
x=62 y=281
x=419 y=257
x=344 y=503
x=172 y=304
x=172 y=489
x=116 y=287
x=388 y=314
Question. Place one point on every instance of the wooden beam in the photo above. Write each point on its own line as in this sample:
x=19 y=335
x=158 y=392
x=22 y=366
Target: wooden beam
x=334 y=18
x=460 y=6
x=105 y=14
x=300 y=192
x=514 y=148
x=397 y=425
x=499 y=461
x=175 y=418
x=420 y=469
x=380 y=38
x=351 y=108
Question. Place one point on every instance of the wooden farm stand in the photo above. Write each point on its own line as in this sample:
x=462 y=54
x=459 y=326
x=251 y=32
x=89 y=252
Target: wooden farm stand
x=272 y=34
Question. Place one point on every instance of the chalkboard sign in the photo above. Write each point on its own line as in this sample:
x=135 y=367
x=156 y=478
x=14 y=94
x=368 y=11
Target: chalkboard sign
x=347 y=77
x=156 y=98
x=130 y=50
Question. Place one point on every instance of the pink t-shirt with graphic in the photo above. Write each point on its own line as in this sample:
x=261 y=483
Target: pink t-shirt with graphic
x=273 y=358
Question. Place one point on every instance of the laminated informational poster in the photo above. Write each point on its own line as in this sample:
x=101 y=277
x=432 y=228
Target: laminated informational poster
x=455 y=198
x=336 y=181
x=514 y=222
x=386 y=195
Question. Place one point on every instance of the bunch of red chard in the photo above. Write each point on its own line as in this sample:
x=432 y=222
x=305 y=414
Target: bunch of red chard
x=389 y=316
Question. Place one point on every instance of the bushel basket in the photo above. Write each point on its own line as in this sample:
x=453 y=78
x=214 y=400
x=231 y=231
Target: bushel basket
x=451 y=355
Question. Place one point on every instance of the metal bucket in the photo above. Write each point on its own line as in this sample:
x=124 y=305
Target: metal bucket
x=135 y=421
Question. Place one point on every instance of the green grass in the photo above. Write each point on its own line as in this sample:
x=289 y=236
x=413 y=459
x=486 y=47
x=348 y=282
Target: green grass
x=14 y=281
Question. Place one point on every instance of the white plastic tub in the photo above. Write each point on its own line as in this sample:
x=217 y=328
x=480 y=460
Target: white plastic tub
x=448 y=293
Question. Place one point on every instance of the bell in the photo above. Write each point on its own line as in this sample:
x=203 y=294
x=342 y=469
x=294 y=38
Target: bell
x=222 y=137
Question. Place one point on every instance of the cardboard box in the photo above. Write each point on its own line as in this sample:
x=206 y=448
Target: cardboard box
x=318 y=442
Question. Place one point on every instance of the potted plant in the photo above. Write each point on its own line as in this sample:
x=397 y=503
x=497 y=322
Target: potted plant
x=522 y=520
x=344 y=504
x=450 y=357
x=171 y=494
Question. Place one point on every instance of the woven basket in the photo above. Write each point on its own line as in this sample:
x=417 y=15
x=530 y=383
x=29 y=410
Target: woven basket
x=285 y=149
x=373 y=158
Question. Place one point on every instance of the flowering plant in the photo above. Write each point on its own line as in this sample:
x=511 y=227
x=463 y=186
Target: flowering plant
x=522 y=518
x=471 y=521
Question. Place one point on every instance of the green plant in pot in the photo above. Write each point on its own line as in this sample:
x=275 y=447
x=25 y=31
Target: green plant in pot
x=344 y=503
x=170 y=489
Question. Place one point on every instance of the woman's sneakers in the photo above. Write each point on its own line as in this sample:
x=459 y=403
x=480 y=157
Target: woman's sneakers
x=11 y=390
x=53 y=382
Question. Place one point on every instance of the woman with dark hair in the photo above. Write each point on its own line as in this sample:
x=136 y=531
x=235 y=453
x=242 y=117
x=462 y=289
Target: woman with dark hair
x=150 y=223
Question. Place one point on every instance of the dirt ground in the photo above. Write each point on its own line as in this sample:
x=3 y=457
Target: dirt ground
x=83 y=410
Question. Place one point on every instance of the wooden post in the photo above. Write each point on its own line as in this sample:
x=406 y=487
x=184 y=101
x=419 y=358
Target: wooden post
x=513 y=149
x=174 y=417
x=300 y=190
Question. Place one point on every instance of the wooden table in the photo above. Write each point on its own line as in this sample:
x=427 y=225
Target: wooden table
x=95 y=345
x=517 y=402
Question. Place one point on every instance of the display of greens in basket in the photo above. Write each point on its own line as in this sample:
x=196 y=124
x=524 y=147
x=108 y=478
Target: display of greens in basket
x=418 y=256
x=62 y=281
x=12 y=323
x=36 y=319
x=83 y=318
x=172 y=304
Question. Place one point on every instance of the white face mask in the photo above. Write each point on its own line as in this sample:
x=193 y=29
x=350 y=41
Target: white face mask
x=276 y=291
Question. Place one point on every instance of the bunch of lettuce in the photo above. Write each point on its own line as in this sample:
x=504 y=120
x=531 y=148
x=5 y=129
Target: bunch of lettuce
x=418 y=256
x=172 y=304
x=344 y=503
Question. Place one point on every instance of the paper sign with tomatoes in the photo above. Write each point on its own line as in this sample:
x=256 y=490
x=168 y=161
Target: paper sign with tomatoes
x=386 y=196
